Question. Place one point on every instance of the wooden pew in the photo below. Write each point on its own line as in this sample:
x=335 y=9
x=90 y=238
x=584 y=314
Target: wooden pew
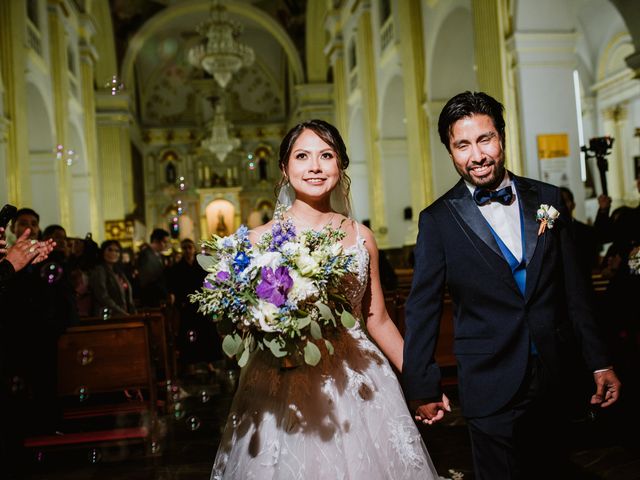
x=95 y=361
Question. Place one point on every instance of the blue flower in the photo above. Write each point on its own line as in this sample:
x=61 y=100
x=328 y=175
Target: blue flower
x=241 y=261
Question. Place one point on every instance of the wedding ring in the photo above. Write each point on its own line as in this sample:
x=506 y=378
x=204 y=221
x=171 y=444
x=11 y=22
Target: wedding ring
x=33 y=242
x=32 y=249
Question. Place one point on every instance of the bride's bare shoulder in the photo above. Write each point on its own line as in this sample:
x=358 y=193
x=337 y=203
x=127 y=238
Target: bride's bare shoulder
x=257 y=232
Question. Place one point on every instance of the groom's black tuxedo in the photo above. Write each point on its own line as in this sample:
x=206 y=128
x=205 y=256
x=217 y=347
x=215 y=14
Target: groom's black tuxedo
x=494 y=323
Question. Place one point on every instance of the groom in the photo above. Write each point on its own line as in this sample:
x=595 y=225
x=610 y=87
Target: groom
x=518 y=296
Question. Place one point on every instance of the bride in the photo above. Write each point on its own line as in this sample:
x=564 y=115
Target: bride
x=345 y=418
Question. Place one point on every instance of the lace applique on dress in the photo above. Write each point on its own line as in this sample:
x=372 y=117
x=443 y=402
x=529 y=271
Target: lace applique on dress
x=346 y=418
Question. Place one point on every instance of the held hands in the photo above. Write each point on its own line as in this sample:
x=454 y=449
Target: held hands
x=26 y=251
x=607 y=388
x=430 y=413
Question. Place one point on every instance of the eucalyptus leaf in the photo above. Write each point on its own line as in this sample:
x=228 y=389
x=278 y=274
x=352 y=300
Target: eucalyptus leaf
x=244 y=358
x=315 y=330
x=230 y=345
x=329 y=347
x=311 y=354
x=325 y=311
x=276 y=349
x=303 y=322
x=348 y=320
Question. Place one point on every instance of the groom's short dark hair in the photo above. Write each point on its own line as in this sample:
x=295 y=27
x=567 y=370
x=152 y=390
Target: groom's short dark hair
x=467 y=104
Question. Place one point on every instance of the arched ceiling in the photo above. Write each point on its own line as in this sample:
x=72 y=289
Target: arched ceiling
x=171 y=91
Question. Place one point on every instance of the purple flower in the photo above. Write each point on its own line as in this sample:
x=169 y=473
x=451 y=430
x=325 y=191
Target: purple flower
x=281 y=233
x=222 y=276
x=274 y=285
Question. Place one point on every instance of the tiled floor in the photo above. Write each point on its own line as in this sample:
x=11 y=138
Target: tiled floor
x=607 y=448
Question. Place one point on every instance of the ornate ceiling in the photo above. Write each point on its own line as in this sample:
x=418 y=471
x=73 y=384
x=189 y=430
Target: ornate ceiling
x=171 y=92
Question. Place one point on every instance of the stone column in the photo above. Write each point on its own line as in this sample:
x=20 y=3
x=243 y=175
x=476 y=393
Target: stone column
x=369 y=95
x=418 y=140
x=494 y=72
x=114 y=144
x=335 y=52
x=544 y=71
x=60 y=87
x=12 y=68
x=88 y=58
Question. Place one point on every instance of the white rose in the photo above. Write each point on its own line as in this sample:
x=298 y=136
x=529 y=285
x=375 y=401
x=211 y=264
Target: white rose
x=268 y=259
x=290 y=248
x=302 y=289
x=265 y=313
x=553 y=213
x=335 y=249
x=307 y=265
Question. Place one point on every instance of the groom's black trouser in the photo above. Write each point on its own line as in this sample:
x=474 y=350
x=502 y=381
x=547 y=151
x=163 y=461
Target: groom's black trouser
x=524 y=439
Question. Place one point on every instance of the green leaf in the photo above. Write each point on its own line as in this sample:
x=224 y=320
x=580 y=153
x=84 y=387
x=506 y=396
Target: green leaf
x=325 y=311
x=230 y=345
x=316 y=332
x=276 y=348
x=329 y=347
x=311 y=354
x=348 y=320
x=303 y=322
x=244 y=358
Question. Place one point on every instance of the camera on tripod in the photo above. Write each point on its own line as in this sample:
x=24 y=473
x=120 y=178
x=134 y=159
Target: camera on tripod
x=599 y=146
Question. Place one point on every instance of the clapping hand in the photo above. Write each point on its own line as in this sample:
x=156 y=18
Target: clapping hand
x=26 y=251
x=431 y=412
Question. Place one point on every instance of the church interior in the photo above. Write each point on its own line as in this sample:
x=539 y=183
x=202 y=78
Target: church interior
x=122 y=117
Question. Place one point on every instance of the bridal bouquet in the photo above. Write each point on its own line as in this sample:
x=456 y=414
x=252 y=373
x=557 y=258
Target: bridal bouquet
x=281 y=295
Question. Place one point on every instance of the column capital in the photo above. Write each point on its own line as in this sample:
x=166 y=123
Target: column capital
x=543 y=48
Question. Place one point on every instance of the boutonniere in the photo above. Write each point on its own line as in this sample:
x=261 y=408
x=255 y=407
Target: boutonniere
x=546 y=215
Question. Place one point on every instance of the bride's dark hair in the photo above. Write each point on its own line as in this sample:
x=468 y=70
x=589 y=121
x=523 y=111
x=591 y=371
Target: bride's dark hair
x=330 y=135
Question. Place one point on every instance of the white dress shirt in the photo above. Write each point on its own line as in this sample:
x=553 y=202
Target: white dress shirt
x=504 y=219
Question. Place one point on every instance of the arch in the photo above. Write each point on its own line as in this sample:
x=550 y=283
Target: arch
x=358 y=170
x=612 y=59
x=43 y=170
x=395 y=161
x=241 y=9
x=220 y=214
x=454 y=40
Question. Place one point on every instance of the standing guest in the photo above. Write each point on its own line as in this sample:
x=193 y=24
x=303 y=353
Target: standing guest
x=26 y=218
x=109 y=285
x=151 y=266
x=198 y=340
x=40 y=304
x=13 y=259
x=584 y=237
x=517 y=293
x=59 y=236
x=84 y=257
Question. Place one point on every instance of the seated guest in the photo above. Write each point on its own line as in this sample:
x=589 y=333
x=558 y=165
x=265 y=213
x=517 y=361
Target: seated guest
x=198 y=340
x=109 y=286
x=84 y=257
x=153 y=286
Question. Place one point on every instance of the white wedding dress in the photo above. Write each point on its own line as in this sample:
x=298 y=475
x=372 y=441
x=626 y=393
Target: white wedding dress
x=345 y=418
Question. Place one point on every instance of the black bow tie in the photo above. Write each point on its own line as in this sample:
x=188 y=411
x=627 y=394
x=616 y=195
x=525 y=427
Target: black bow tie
x=504 y=195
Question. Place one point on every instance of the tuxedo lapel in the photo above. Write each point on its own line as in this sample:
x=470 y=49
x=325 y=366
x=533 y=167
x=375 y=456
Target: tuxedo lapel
x=530 y=203
x=462 y=203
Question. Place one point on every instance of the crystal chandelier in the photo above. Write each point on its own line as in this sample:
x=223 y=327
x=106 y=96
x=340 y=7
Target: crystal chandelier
x=221 y=55
x=220 y=143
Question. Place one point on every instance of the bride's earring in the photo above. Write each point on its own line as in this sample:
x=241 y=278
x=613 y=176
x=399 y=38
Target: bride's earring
x=286 y=195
